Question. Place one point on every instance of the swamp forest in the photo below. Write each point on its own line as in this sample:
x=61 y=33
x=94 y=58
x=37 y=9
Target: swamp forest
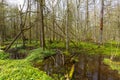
x=59 y=39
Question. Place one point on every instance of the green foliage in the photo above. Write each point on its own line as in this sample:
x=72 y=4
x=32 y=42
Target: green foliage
x=56 y=45
x=88 y=45
x=38 y=54
x=88 y=48
x=92 y=48
x=20 y=70
x=58 y=77
x=23 y=51
x=114 y=65
x=66 y=53
x=35 y=55
x=2 y=47
x=17 y=46
x=48 y=53
x=3 y=55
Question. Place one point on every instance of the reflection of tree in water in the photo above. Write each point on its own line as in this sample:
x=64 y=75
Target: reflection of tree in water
x=86 y=68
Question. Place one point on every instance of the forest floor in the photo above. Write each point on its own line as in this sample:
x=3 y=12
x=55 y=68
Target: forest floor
x=85 y=60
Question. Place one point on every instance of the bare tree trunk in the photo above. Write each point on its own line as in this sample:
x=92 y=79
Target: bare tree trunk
x=21 y=27
x=67 y=25
x=118 y=19
x=8 y=47
x=22 y=23
x=87 y=19
x=101 y=38
x=78 y=19
x=53 y=20
x=37 y=22
x=95 y=21
x=42 y=34
x=2 y=36
x=29 y=6
x=101 y=21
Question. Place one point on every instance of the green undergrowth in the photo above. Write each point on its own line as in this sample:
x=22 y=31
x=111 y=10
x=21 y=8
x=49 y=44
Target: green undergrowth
x=109 y=48
x=106 y=49
x=3 y=55
x=23 y=69
x=56 y=44
x=20 y=70
x=38 y=54
x=113 y=64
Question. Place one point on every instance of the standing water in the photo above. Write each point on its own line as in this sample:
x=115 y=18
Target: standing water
x=87 y=67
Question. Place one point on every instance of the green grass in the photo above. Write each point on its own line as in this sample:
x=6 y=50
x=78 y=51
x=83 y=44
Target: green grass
x=113 y=64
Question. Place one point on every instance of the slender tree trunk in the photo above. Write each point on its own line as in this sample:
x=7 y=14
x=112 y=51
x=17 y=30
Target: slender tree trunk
x=87 y=19
x=53 y=20
x=86 y=22
x=21 y=28
x=101 y=38
x=101 y=21
x=95 y=21
x=42 y=34
x=23 y=23
x=2 y=24
x=29 y=6
x=78 y=19
x=37 y=22
x=67 y=25
x=118 y=19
